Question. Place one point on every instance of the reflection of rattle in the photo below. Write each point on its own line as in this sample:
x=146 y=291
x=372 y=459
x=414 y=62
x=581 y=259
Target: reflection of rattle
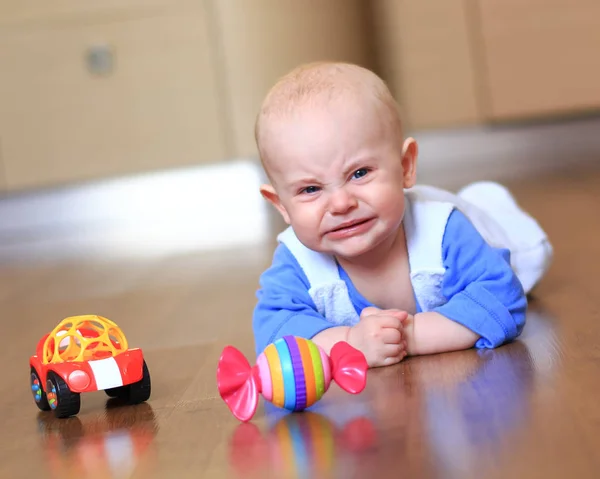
x=292 y=373
x=299 y=445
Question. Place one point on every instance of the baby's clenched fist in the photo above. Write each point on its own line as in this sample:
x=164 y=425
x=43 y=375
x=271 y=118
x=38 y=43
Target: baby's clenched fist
x=379 y=335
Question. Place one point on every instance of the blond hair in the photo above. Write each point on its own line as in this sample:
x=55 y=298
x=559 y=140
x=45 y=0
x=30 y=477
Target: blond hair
x=314 y=82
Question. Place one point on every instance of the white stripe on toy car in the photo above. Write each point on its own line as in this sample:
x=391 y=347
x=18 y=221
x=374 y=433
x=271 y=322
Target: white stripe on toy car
x=107 y=373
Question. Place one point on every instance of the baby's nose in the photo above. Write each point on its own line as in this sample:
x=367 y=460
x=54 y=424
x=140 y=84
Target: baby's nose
x=341 y=202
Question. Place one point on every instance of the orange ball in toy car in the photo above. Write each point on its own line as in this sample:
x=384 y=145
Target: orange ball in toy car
x=81 y=338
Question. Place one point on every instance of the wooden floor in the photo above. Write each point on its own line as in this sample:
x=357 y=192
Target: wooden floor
x=528 y=410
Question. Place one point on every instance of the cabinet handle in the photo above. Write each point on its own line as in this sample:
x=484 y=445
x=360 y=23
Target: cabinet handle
x=100 y=60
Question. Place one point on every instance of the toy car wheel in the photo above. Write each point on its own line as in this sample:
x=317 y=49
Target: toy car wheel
x=62 y=401
x=114 y=392
x=39 y=396
x=140 y=391
x=133 y=393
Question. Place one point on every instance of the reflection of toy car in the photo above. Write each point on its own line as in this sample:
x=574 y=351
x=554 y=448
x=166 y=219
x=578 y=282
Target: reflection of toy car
x=83 y=354
x=103 y=445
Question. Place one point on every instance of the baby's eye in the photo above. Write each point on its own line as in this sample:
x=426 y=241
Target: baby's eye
x=360 y=173
x=310 y=190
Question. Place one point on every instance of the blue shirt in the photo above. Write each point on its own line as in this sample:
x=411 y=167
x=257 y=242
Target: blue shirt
x=482 y=291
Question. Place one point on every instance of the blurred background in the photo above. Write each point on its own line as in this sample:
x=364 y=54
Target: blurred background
x=127 y=125
x=129 y=188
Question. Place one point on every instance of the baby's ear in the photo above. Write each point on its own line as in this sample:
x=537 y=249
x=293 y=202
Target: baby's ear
x=410 y=152
x=269 y=193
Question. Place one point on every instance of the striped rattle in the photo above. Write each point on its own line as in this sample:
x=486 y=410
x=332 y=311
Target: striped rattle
x=292 y=373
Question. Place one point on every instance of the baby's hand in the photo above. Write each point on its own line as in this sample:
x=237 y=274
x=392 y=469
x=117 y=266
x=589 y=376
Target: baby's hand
x=379 y=335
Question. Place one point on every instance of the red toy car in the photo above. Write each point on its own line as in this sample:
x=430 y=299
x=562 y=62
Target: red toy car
x=83 y=354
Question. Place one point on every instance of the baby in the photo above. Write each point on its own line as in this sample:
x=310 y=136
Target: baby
x=369 y=258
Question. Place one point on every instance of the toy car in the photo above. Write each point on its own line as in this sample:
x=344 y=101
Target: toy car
x=83 y=354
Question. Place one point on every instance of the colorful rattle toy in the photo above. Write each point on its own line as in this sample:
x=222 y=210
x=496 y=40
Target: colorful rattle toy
x=83 y=354
x=292 y=373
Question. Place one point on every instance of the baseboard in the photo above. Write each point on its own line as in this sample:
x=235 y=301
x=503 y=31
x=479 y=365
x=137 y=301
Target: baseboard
x=218 y=206
x=209 y=207
x=452 y=158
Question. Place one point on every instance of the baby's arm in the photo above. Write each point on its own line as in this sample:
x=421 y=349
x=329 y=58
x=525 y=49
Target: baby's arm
x=431 y=332
x=328 y=337
x=285 y=308
x=486 y=302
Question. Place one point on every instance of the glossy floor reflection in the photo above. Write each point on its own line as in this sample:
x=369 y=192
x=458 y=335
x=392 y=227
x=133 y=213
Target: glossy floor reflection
x=300 y=445
x=98 y=446
x=528 y=409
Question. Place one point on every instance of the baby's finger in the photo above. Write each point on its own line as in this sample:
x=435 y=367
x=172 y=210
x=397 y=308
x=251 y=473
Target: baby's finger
x=393 y=360
x=388 y=321
x=401 y=315
x=390 y=361
x=370 y=311
x=392 y=350
x=391 y=336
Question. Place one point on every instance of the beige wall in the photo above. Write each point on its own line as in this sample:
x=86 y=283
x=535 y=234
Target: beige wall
x=188 y=75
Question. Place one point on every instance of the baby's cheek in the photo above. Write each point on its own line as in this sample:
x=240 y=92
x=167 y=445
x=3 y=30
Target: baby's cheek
x=393 y=204
x=307 y=228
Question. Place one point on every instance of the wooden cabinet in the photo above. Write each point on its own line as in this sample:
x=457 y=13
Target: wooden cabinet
x=261 y=40
x=83 y=101
x=18 y=12
x=92 y=89
x=453 y=63
x=539 y=57
x=424 y=51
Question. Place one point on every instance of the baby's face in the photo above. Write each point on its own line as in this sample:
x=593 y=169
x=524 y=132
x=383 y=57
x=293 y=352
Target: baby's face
x=338 y=176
